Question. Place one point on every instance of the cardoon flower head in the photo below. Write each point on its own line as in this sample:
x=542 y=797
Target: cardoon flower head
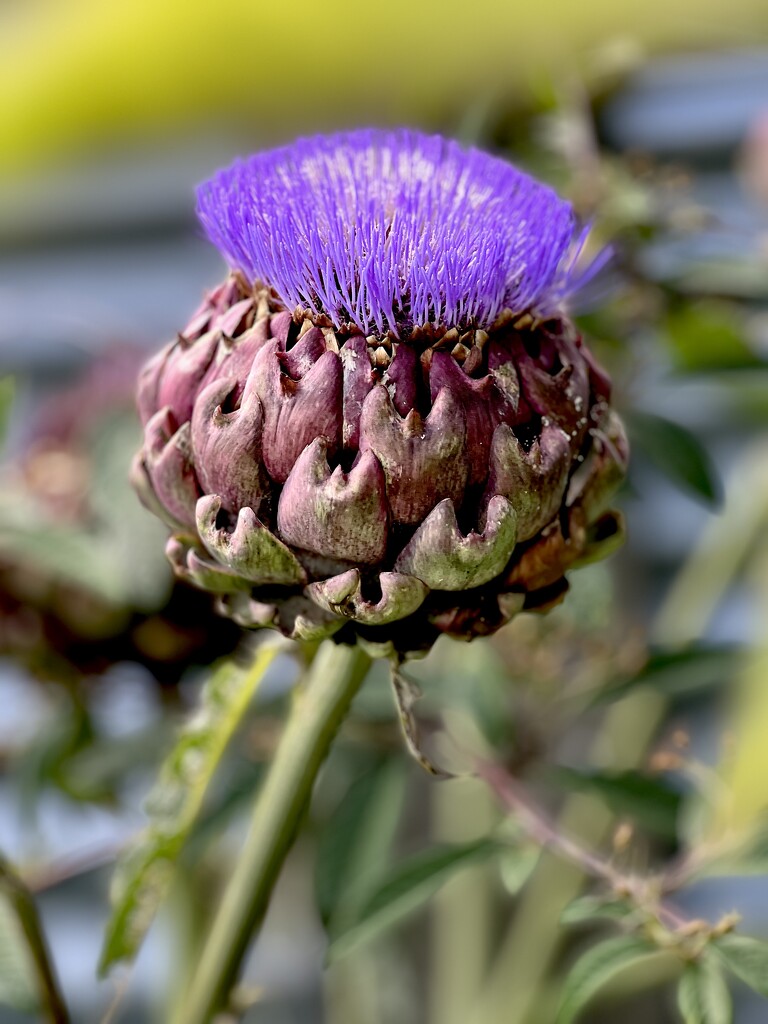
x=382 y=425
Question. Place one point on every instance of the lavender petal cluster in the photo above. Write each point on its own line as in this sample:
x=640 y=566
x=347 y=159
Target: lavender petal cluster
x=386 y=231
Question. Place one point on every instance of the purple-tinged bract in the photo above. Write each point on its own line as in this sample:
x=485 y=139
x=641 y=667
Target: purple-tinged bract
x=390 y=230
x=382 y=426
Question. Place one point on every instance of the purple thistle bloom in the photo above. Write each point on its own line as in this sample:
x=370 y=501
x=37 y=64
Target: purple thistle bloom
x=381 y=426
x=389 y=230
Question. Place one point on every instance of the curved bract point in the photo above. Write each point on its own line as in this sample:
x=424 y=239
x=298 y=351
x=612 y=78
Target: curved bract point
x=561 y=397
x=443 y=558
x=401 y=596
x=189 y=566
x=142 y=485
x=228 y=446
x=183 y=371
x=296 y=411
x=424 y=459
x=169 y=466
x=333 y=513
x=482 y=405
x=250 y=550
x=534 y=481
x=296 y=617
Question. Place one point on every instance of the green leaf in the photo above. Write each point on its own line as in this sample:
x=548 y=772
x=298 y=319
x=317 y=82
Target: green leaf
x=681 y=673
x=596 y=968
x=707 y=336
x=409 y=886
x=594 y=908
x=648 y=801
x=677 y=453
x=516 y=864
x=747 y=958
x=7 y=391
x=144 y=873
x=702 y=994
x=355 y=841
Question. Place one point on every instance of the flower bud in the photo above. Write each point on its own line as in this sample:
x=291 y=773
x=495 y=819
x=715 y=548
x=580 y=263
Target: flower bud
x=382 y=424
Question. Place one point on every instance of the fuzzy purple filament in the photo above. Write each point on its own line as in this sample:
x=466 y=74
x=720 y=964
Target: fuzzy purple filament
x=387 y=230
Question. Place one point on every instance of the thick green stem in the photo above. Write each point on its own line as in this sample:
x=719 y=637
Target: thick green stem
x=333 y=680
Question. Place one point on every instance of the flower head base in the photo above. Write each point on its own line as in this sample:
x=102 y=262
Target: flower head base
x=381 y=425
x=390 y=231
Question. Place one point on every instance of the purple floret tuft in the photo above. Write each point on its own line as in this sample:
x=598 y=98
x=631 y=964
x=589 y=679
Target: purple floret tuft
x=387 y=230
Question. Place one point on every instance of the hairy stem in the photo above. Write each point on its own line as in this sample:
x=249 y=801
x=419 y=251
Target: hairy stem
x=547 y=834
x=531 y=944
x=333 y=680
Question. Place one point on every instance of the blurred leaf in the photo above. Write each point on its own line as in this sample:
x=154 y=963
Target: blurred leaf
x=702 y=994
x=516 y=863
x=234 y=790
x=356 y=840
x=736 y=278
x=706 y=336
x=118 y=553
x=677 y=453
x=98 y=770
x=18 y=987
x=746 y=855
x=7 y=391
x=743 y=799
x=475 y=678
x=695 y=822
x=596 y=968
x=66 y=731
x=27 y=978
x=747 y=958
x=680 y=673
x=593 y=908
x=733 y=852
x=61 y=551
x=747 y=392
x=647 y=800
x=407 y=888
x=145 y=871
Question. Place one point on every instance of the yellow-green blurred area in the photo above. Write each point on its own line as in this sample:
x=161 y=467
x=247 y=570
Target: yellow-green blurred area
x=636 y=713
x=76 y=75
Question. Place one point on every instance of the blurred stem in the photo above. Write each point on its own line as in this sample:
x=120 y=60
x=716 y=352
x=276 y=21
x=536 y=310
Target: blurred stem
x=333 y=679
x=722 y=551
x=53 y=1007
x=462 y=913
